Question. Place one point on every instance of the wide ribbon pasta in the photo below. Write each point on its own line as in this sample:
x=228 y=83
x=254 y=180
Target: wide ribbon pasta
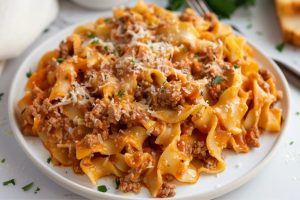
x=150 y=97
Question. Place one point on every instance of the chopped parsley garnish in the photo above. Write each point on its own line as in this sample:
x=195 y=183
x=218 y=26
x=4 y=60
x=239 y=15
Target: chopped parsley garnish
x=117 y=183
x=49 y=160
x=11 y=181
x=291 y=142
x=46 y=30
x=133 y=61
x=95 y=41
x=196 y=56
x=175 y=4
x=3 y=160
x=107 y=20
x=27 y=187
x=217 y=80
x=249 y=26
x=36 y=190
x=91 y=35
x=1 y=95
x=280 y=46
x=60 y=60
x=236 y=66
x=102 y=188
x=29 y=74
x=120 y=93
x=297 y=113
x=106 y=48
x=184 y=49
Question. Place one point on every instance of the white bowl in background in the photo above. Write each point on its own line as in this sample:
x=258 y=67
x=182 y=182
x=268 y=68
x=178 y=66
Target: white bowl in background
x=100 y=4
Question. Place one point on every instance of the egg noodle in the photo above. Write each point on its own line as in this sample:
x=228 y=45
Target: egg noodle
x=150 y=97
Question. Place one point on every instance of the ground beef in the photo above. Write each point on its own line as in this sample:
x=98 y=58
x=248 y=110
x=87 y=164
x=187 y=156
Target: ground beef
x=131 y=182
x=214 y=91
x=33 y=110
x=55 y=122
x=181 y=145
x=170 y=94
x=167 y=190
x=252 y=137
x=199 y=149
x=65 y=49
x=212 y=18
x=168 y=177
x=265 y=74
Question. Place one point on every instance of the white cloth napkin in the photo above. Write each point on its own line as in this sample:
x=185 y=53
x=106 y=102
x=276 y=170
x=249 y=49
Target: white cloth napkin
x=21 y=22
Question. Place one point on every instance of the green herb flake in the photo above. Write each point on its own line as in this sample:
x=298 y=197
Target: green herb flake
x=91 y=35
x=11 y=181
x=29 y=74
x=133 y=61
x=107 y=20
x=184 y=50
x=46 y=30
x=27 y=187
x=217 y=80
x=117 y=183
x=175 y=4
x=49 y=160
x=37 y=190
x=3 y=160
x=106 y=48
x=197 y=56
x=95 y=41
x=297 y=113
x=120 y=93
x=249 y=26
x=60 y=60
x=1 y=95
x=291 y=142
x=236 y=66
x=102 y=188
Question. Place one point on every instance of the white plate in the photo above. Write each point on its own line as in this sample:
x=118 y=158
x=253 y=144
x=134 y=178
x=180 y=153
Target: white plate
x=240 y=167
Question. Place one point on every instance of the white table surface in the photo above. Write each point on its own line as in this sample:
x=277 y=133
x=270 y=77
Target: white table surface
x=280 y=179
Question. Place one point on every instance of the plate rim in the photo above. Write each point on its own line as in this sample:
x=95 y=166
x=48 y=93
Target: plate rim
x=89 y=192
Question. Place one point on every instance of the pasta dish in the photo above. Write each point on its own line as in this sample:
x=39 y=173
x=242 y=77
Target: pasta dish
x=150 y=97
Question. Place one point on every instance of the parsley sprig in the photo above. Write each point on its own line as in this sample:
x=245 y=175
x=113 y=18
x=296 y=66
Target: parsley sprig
x=27 y=187
x=280 y=46
x=102 y=188
x=217 y=80
x=11 y=181
x=29 y=74
x=121 y=93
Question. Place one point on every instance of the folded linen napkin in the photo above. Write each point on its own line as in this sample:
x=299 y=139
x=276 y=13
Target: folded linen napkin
x=21 y=22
